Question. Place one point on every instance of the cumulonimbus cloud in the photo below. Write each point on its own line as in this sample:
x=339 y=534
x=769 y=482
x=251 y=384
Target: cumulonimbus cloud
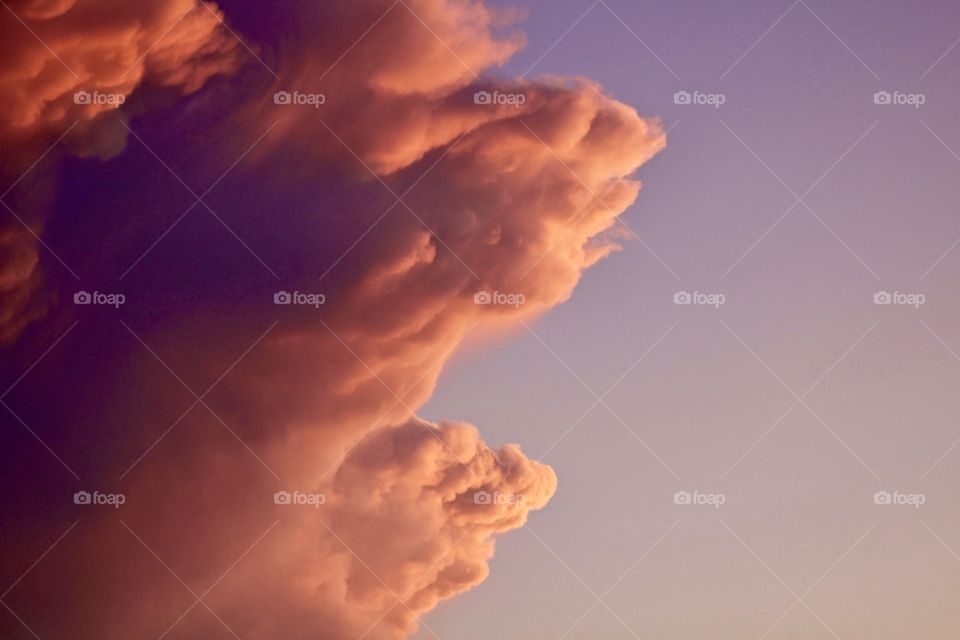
x=515 y=199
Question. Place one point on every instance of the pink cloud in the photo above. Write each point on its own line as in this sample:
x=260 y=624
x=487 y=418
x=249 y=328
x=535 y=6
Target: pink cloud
x=521 y=202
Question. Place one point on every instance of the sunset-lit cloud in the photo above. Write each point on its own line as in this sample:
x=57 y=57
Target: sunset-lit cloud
x=511 y=201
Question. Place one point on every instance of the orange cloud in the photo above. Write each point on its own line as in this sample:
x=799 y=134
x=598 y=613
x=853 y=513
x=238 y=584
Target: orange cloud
x=512 y=202
x=407 y=522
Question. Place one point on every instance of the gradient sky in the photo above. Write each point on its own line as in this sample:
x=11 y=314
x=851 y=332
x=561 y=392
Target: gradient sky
x=798 y=199
x=799 y=299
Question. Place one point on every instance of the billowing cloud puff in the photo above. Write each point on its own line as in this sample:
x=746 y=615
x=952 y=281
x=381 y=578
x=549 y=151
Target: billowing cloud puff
x=406 y=523
x=503 y=206
x=432 y=496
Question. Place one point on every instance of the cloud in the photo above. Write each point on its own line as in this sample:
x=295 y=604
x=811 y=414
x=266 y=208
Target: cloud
x=408 y=522
x=510 y=201
x=68 y=68
x=104 y=49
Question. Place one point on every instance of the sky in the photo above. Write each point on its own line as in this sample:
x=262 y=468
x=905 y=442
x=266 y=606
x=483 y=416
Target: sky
x=706 y=390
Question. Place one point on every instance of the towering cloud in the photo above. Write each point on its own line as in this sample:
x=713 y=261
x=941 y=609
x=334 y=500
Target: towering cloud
x=404 y=196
